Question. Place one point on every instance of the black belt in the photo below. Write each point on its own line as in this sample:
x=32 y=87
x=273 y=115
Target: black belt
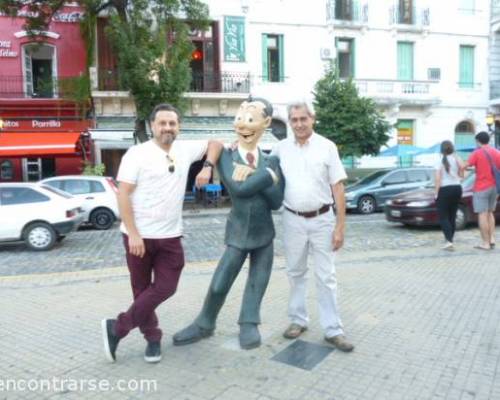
x=311 y=214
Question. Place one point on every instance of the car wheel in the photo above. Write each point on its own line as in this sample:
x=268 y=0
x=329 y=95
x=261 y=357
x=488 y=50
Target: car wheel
x=461 y=218
x=40 y=236
x=102 y=219
x=366 y=205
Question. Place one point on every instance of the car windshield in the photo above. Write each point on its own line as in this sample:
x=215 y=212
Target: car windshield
x=57 y=191
x=370 y=178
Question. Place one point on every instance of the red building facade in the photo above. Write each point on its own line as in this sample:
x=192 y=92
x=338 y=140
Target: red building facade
x=43 y=131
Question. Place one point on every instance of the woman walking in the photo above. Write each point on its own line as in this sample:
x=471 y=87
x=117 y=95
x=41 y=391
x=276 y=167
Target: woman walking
x=448 y=190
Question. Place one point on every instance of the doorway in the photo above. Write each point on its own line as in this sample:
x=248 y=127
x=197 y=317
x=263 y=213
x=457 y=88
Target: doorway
x=39 y=69
x=35 y=169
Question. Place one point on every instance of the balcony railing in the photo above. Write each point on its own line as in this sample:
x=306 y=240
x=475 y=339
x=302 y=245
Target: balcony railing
x=216 y=82
x=346 y=12
x=221 y=82
x=18 y=87
x=416 y=17
x=411 y=90
x=351 y=12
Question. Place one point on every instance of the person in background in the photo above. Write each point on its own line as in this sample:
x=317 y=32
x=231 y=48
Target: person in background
x=484 y=198
x=448 y=174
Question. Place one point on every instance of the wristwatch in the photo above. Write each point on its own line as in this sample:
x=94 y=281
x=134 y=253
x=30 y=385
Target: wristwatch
x=207 y=163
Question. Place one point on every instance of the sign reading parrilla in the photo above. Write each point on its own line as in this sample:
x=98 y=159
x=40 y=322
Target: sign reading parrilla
x=45 y=124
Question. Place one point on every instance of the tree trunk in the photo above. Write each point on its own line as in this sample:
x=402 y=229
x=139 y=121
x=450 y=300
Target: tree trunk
x=140 y=133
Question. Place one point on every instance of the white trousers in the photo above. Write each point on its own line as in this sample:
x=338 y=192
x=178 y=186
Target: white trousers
x=304 y=236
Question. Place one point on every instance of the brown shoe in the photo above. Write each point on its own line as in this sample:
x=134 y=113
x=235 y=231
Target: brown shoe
x=340 y=342
x=294 y=331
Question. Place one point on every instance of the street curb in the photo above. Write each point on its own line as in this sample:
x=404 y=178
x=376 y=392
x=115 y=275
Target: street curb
x=58 y=278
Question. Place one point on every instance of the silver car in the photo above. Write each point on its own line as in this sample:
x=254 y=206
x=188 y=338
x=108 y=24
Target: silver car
x=370 y=193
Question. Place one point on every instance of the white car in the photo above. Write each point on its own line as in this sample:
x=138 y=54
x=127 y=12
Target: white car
x=100 y=204
x=39 y=215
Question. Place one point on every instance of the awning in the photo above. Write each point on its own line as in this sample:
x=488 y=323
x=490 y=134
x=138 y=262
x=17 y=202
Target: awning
x=19 y=144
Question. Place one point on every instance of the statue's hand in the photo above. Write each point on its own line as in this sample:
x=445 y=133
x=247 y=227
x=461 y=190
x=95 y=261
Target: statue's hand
x=242 y=172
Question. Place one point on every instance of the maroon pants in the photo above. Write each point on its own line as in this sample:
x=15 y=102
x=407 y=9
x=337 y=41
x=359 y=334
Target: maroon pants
x=163 y=261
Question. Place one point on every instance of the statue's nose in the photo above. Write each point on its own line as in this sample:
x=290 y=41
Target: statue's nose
x=238 y=123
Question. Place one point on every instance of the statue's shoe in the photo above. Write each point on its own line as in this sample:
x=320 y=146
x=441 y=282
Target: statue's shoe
x=191 y=334
x=249 y=336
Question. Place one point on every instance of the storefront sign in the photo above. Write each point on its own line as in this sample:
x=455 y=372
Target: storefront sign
x=5 y=49
x=234 y=38
x=44 y=125
x=405 y=131
x=70 y=17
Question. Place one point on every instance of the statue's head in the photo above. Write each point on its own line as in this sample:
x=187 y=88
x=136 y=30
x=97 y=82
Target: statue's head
x=252 y=119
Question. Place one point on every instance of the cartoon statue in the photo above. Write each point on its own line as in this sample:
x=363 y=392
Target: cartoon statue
x=255 y=184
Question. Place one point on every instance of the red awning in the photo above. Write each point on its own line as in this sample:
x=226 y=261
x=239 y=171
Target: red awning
x=18 y=144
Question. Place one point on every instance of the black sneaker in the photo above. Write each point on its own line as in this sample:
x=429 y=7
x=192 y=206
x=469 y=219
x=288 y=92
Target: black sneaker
x=109 y=338
x=153 y=352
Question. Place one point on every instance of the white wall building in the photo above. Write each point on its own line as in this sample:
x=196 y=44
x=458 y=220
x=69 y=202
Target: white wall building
x=423 y=62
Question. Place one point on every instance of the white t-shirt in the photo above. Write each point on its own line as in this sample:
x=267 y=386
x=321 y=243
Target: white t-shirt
x=158 y=197
x=309 y=170
x=452 y=177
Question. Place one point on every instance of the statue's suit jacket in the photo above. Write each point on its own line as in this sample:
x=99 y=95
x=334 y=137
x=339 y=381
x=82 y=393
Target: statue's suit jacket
x=250 y=224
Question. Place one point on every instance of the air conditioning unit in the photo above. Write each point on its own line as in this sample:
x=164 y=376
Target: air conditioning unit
x=326 y=53
x=434 y=74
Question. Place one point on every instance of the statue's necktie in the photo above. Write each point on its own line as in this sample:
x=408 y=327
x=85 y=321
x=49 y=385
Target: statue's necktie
x=251 y=159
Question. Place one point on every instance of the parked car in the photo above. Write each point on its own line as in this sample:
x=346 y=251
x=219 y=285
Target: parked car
x=38 y=214
x=418 y=207
x=370 y=193
x=100 y=205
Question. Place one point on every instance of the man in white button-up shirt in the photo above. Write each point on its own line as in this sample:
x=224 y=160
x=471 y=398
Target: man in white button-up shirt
x=314 y=176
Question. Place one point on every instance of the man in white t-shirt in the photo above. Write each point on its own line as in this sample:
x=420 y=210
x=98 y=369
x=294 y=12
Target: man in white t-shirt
x=153 y=178
x=313 y=173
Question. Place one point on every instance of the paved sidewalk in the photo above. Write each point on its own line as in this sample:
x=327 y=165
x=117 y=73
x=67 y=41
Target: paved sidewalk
x=425 y=323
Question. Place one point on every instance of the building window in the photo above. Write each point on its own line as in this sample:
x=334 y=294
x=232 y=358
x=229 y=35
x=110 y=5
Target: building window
x=344 y=10
x=206 y=75
x=466 y=67
x=39 y=68
x=272 y=58
x=345 y=57
x=405 y=61
x=464 y=138
x=405 y=12
x=6 y=170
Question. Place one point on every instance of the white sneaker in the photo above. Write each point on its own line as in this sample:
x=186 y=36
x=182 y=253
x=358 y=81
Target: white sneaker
x=448 y=246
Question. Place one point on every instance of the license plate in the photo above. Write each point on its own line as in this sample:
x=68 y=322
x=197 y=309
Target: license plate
x=395 y=213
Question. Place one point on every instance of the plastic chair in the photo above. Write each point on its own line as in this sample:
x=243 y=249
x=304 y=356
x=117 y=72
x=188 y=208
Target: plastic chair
x=212 y=194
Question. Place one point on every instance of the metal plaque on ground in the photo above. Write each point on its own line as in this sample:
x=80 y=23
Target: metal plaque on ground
x=303 y=354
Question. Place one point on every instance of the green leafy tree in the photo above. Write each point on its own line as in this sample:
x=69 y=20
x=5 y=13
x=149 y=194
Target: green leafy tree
x=351 y=121
x=150 y=38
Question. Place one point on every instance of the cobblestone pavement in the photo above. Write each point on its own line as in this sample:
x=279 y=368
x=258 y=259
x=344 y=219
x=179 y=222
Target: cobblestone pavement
x=204 y=235
x=425 y=323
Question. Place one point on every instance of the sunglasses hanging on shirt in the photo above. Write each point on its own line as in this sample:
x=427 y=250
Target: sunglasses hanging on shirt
x=171 y=165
